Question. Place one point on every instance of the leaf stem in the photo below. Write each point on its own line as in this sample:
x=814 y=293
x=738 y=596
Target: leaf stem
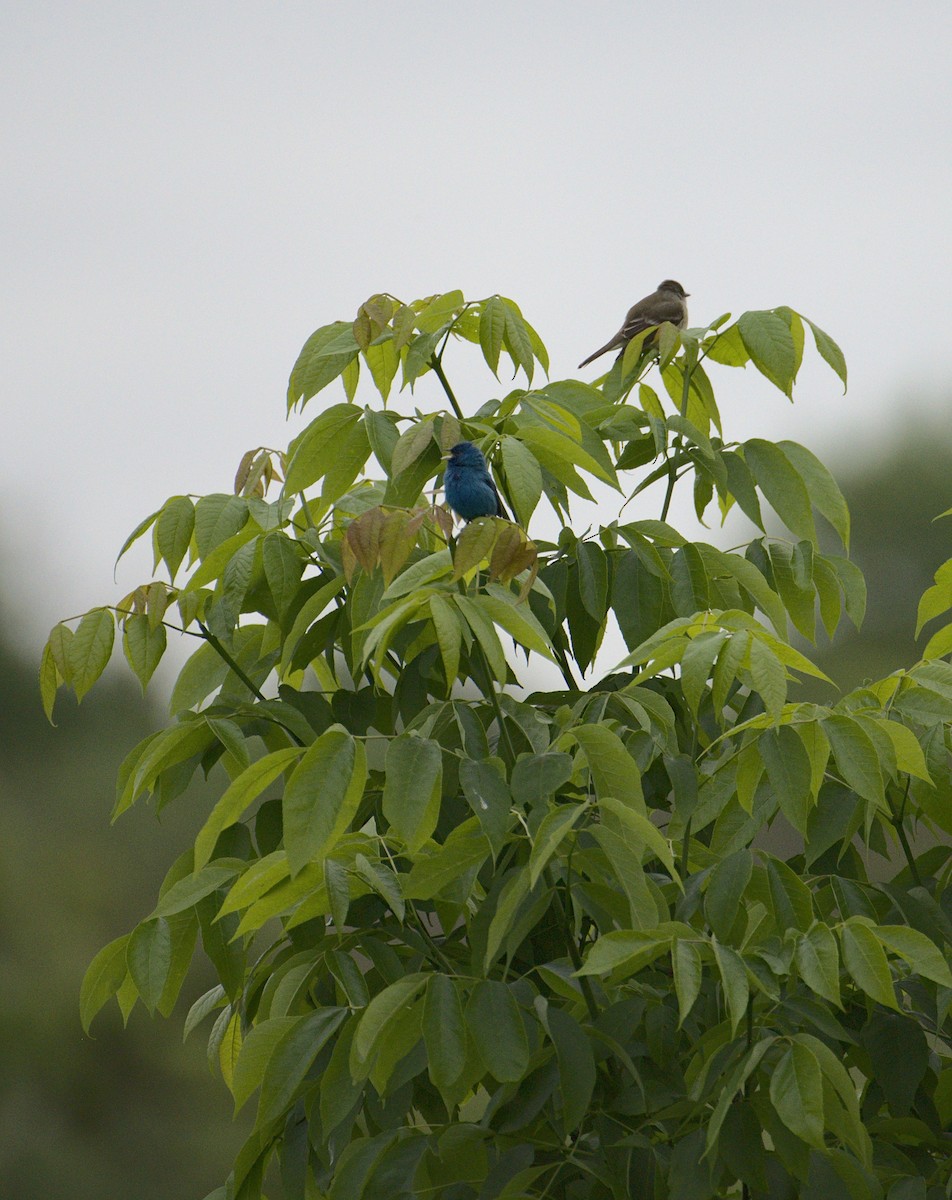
x=437 y=365
x=223 y=653
x=898 y=823
x=584 y=982
x=565 y=668
x=685 y=845
x=676 y=445
x=489 y=692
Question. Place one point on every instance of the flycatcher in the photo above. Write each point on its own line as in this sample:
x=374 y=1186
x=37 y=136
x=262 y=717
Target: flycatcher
x=666 y=304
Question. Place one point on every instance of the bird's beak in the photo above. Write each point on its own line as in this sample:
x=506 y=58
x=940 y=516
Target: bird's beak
x=445 y=457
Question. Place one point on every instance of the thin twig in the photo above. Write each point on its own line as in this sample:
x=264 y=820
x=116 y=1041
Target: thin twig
x=437 y=366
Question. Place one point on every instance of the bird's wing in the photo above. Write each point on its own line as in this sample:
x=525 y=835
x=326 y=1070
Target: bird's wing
x=642 y=316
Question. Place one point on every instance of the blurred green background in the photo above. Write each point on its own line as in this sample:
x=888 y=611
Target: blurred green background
x=135 y=1113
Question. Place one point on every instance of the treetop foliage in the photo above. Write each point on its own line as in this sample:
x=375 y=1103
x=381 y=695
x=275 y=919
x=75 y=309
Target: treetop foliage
x=661 y=932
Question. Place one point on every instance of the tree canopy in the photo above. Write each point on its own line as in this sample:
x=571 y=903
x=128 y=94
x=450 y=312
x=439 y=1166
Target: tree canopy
x=656 y=932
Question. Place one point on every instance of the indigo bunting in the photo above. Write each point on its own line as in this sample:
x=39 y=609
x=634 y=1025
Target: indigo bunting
x=666 y=304
x=470 y=491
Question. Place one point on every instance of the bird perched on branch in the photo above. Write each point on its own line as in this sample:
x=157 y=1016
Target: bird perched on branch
x=470 y=491
x=666 y=304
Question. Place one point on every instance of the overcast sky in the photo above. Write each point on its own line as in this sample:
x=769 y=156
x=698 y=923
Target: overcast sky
x=188 y=190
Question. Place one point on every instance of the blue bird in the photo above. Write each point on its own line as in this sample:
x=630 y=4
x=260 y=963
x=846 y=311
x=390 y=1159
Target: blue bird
x=470 y=491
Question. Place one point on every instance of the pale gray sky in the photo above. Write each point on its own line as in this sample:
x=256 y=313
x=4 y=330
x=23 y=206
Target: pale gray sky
x=188 y=190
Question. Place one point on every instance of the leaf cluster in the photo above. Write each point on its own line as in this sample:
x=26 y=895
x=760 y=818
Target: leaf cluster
x=620 y=938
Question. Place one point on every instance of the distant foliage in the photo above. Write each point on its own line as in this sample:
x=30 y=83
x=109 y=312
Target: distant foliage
x=478 y=943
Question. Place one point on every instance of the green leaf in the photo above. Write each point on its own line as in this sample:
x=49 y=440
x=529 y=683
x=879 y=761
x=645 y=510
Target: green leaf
x=689 y=584
x=449 y=635
x=782 y=486
x=909 y=756
x=322 y=795
x=920 y=952
x=411 y=796
x=829 y=351
x=418 y=574
x=790 y=897
x=638 y=599
x=218 y=518
x=799 y=601
x=169 y=748
x=90 y=649
x=438 y=311
x=492 y=326
x=940 y=644
x=866 y=962
x=482 y=626
x=789 y=771
x=899 y=1055
x=697 y=664
x=823 y=488
x=628 y=949
x=796 y=1092
x=537 y=776
x=517 y=621
x=148 y=957
x=283 y=567
x=49 y=681
x=592 y=578
x=687 y=968
x=735 y=1081
x=444 y=1031
x=484 y=786
x=576 y=1062
x=768 y=677
x=291 y=1059
x=728 y=348
x=552 y=448
x=511 y=896
x=60 y=639
x=187 y=892
x=314 y=451
x=143 y=646
x=103 y=978
x=853 y=585
x=411 y=445
x=553 y=828
x=725 y=889
x=734 y=982
x=740 y=484
x=474 y=545
x=817 y=746
x=235 y=582
x=856 y=756
x=325 y=354
x=495 y=1024
x=173 y=531
x=139 y=530
x=242 y=790
x=818 y=962
x=769 y=342
x=613 y=770
x=383 y=360
x=523 y=478
x=254 y=1054
x=382 y=1009
x=635 y=827
x=466 y=848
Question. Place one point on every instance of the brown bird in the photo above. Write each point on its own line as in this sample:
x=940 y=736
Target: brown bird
x=666 y=304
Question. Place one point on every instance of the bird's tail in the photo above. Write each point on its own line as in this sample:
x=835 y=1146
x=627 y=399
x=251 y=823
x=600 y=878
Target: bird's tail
x=591 y=358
